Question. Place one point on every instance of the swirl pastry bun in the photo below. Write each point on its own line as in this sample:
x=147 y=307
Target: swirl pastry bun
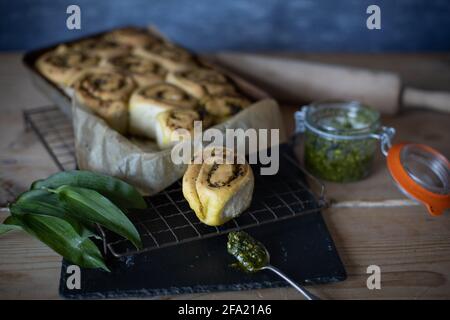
x=106 y=92
x=218 y=190
x=144 y=71
x=61 y=66
x=131 y=36
x=200 y=82
x=169 y=122
x=222 y=107
x=171 y=57
x=147 y=102
x=99 y=46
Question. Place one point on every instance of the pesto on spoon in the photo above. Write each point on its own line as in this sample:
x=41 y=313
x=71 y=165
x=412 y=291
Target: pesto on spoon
x=252 y=256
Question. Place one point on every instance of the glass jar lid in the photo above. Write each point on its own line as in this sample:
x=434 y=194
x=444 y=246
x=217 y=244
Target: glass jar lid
x=426 y=168
x=423 y=173
x=342 y=119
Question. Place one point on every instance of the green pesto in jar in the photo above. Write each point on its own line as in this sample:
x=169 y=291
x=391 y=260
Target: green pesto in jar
x=250 y=254
x=331 y=157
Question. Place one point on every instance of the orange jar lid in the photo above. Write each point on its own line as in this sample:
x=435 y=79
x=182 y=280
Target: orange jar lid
x=422 y=173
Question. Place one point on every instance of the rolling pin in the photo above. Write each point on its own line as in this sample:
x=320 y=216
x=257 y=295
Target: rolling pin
x=297 y=81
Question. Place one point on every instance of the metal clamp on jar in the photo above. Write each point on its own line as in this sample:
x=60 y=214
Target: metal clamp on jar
x=340 y=142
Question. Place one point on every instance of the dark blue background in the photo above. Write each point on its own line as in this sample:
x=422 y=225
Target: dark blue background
x=208 y=25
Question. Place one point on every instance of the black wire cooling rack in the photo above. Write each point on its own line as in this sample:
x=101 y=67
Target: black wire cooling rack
x=168 y=220
x=55 y=131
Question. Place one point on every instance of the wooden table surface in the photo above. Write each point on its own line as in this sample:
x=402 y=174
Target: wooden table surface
x=371 y=221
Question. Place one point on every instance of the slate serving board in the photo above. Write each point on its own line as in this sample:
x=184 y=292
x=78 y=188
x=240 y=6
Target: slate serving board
x=301 y=246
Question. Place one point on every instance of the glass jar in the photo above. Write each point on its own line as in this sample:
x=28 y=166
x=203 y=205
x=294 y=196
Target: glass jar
x=341 y=142
x=340 y=139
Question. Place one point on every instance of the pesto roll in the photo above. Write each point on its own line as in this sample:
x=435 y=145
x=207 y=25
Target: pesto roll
x=144 y=71
x=106 y=92
x=200 y=82
x=62 y=65
x=171 y=57
x=147 y=102
x=222 y=107
x=216 y=189
x=169 y=123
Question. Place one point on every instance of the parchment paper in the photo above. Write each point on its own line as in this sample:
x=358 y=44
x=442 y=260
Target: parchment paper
x=139 y=162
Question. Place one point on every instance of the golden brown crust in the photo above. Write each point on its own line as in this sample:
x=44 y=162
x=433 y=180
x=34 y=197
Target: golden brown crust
x=168 y=55
x=144 y=71
x=200 y=82
x=106 y=92
x=61 y=66
x=132 y=36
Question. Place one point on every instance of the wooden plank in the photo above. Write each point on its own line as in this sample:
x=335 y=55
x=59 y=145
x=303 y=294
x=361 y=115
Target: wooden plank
x=28 y=269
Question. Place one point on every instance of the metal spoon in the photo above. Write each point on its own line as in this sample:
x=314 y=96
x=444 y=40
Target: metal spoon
x=308 y=295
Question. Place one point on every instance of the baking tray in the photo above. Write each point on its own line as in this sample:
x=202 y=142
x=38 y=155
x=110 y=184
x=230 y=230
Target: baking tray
x=301 y=246
x=60 y=98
